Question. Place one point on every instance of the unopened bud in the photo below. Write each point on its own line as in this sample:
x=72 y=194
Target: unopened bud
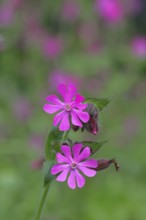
x=92 y=125
x=103 y=164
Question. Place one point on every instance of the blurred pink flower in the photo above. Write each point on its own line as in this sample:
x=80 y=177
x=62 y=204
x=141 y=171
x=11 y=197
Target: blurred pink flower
x=74 y=161
x=22 y=109
x=110 y=10
x=37 y=164
x=94 y=48
x=89 y=38
x=60 y=77
x=8 y=10
x=6 y=14
x=87 y=32
x=70 y=109
x=70 y=10
x=53 y=46
x=36 y=141
x=139 y=46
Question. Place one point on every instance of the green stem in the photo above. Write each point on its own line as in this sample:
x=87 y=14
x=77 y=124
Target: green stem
x=42 y=202
x=45 y=190
x=65 y=135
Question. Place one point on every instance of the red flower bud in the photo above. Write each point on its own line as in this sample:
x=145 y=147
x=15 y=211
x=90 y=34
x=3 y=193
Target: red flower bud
x=92 y=125
x=103 y=164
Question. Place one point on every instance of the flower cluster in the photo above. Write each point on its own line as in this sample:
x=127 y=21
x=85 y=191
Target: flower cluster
x=74 y=162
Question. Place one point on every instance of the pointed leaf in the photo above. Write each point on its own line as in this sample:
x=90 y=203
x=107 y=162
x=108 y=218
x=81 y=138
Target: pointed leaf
x=99 y=103
x=48 y=177
x=53 y=143
x=94 y=146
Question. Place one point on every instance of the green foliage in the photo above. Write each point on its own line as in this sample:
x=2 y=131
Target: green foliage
x=99 y=103
x=95 y=146
x=48 y=177
x=53 y=143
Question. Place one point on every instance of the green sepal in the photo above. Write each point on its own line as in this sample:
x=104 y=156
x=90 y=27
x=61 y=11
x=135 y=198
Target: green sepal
x=99 y=103
x=53 y=143
x=94 y=146
x=48 y=177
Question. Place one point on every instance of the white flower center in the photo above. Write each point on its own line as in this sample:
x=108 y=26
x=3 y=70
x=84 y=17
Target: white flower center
x=67 y=107
x=73 y=165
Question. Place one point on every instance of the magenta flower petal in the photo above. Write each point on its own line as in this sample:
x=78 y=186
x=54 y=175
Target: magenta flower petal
x=79 y=98
x=83 y=116
x=71 y=92
x=76 y=151
x=88 y=172
x=57 y=168
x=72 y=108
x=67 y=152
x=63 y=175
x=65 y=125
x=84 y=154
x=54 y=100
x=51 y=108
x=70 y=165
x=81 y=106
x=62 y=90
x=71 y=180
x=79 y=179
x=58 y=118
x=89 y=163
x=75 y=120
x=62 y=159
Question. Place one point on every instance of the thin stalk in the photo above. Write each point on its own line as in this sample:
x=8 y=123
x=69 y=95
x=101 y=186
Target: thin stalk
x=42 y=202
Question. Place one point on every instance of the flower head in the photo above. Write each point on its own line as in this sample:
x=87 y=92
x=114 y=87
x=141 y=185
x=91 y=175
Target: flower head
x=70 y=11
x=110 y=10
x=92 y=125
x=53 y=46
x=73 y=162
x=139 y=46
x=71 y=109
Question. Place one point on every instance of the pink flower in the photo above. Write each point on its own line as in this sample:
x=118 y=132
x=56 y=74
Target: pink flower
x=139 y=46
x=110 y=10
x=53 y=46
x=69 y=110
x=70 y=11
x=73 y=162
x=22 y=109
x=6 y=14
x=60 y=77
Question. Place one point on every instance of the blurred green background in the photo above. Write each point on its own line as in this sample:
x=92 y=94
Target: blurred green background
x=101 y=46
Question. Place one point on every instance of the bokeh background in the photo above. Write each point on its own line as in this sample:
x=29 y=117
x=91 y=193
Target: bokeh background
x=100 y=45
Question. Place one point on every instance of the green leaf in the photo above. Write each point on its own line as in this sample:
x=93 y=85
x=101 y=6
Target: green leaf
x=99 y=103
x=48 y=177
x=95 y=146
x=53 y=143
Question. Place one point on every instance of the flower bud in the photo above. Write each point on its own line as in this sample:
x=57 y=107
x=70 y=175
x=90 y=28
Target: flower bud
x=103 y=164
x=92 y=125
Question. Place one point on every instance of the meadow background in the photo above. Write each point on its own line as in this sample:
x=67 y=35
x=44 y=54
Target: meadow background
x=101 y=46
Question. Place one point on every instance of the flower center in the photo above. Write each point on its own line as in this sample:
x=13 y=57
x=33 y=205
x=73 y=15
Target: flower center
x=73 y=165
x=67 y=107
